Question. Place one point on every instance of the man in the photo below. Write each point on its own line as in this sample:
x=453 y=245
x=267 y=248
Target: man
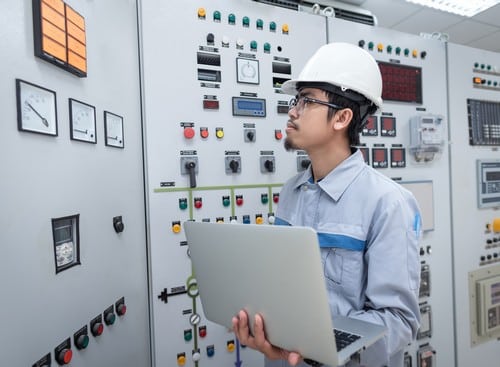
x=368 y=226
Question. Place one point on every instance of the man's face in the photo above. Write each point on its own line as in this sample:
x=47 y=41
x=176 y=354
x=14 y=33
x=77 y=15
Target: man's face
x=308 y=124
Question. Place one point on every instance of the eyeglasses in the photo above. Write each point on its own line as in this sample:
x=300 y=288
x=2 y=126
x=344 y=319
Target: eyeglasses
x=301 y=101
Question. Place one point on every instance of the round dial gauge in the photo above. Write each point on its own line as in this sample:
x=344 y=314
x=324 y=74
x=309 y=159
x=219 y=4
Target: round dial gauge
x=36 y=108
x=83 y=121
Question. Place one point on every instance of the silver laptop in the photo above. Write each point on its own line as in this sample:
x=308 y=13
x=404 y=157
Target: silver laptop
x=275 y=271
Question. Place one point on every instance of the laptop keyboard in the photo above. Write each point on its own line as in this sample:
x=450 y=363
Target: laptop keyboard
x=343 y=339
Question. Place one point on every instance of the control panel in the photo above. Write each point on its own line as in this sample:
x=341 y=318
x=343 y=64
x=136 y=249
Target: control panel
x=407 y=141
x=216 y=119
x=473 y=106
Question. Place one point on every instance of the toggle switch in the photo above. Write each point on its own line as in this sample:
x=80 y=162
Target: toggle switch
x=267 y=164
x=118 y=224
x=189 y=166
x=249 y=135
x=233 y=164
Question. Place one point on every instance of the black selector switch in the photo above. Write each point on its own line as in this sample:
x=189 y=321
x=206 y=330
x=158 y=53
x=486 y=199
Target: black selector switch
x=118 y=224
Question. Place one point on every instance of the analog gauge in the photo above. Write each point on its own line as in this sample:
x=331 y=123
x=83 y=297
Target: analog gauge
x=82 y=121
x=36 y=108
x=113 y=130
x=248 y=71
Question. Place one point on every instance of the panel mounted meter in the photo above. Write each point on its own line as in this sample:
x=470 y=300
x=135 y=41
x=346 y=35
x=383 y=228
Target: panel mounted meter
x=66 y=236
x=488 y=183
x=426 y=137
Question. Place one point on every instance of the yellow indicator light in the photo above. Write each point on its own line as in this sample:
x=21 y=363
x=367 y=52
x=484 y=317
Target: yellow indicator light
x=380 y=47
x=414 y=53
x=259 y=220
x=181 y=360
x=476 y=80
x=219 y=133
x=496 y=225
x=176 y=228
x=285 y=28
x=202 y=12
x=230 y=347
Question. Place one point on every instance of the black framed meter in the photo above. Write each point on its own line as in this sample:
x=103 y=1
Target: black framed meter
x=488 y=183
x=66 y=236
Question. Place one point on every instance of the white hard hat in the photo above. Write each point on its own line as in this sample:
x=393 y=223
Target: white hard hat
x=343 y=65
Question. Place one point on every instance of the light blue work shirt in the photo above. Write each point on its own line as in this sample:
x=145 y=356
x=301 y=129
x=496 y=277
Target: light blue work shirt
x=368 y=228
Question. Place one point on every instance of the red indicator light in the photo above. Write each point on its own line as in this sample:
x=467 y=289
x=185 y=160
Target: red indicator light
x=188 y=132
x=210 y=104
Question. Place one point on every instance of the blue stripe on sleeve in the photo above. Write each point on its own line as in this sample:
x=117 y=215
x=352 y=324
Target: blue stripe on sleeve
x=341 y=241
x=281 y=222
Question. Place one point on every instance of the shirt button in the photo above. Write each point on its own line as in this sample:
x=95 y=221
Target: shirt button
x=304 y=188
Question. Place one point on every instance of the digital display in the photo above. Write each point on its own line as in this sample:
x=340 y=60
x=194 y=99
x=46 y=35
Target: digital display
x=243 y=106
x=387 y=126
x=366 y=154
x=379 y=157
x=371 y=127
x=398 y=158
x=401 y=83
x=493 y=176
x=249 y=105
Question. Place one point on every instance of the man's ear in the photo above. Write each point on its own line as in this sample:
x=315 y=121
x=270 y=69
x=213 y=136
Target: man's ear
x=342 y=119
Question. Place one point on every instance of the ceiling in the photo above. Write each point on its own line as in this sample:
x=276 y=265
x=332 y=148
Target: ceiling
x=480 y=31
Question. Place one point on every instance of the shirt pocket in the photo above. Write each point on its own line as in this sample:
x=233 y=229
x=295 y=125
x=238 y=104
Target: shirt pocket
x=343 y=270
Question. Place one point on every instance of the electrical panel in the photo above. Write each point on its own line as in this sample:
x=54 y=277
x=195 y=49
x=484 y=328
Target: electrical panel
x=63 y=264
x=407 y=141
x=473 y=95
x=216 y=119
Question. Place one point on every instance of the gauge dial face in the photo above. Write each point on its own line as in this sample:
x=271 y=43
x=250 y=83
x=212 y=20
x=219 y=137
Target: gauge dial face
x=247 y=71
x=36 y=108
x=82 y=121
x=113 y=130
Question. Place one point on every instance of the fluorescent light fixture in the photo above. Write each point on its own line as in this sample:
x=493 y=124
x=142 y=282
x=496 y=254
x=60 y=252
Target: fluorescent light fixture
x=466 y=8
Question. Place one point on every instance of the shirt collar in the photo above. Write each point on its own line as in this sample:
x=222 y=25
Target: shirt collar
x=339 y=179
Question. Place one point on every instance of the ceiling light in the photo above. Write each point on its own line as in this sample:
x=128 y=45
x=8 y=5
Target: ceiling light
x=467 y=8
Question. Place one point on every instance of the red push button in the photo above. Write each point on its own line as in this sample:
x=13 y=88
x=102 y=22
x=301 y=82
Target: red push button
x=121 y=309
x=97 y=329
x=204 y=132
x=64 y=356
x=189 y=132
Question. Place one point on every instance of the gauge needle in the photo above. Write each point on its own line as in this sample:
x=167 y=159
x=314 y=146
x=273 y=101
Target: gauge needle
x=44 y=120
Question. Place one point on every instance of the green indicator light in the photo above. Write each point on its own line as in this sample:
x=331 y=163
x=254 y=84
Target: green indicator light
x=389 y=49
x=253 y=45
x=398 y=50
x=264 y=199
x=246 y=21
x=272 y=26
x=476 y=65
x=260 y=23
x=231 y=18
x=407 y=51
x=370 y=45
x=183 y=204
x=267 y=46
x=226 y=201
x=188 y=335
x=217 y=15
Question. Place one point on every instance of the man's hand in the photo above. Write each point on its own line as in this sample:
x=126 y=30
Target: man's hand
x=257 y=339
